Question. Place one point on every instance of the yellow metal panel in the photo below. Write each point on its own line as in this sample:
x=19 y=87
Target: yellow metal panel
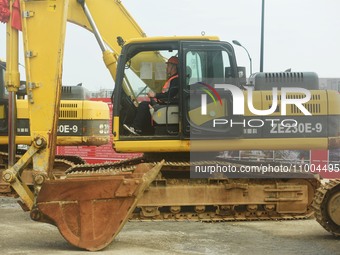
x=2 y=112
x=22 y=109
x=95 y=110
x=18 y=140
x=115 y=129
x=333 y=102
x=84 y=109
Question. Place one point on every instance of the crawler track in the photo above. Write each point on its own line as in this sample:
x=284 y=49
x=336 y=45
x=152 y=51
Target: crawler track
x=326 y=205
x=174 y=196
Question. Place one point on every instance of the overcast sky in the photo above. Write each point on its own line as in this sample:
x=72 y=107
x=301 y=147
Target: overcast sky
x=300 y=34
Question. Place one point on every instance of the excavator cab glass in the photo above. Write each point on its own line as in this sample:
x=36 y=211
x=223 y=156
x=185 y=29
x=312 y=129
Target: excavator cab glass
x=208 y=64
x=148 y=74
x=144 y=71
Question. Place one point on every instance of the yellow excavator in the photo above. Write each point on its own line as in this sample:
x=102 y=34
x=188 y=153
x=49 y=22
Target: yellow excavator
x=82 y=122
x=182 y=175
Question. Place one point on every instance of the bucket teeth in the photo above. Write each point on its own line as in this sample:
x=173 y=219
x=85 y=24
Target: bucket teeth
x=99 y=171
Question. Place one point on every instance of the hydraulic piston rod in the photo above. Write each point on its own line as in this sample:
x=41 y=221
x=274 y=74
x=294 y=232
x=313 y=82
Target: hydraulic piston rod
x=12 y=82
x=110 y=59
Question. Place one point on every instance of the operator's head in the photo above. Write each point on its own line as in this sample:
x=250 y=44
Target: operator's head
x=171 y=65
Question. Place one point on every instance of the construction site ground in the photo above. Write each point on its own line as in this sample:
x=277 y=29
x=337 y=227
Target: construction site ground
x=20 y=235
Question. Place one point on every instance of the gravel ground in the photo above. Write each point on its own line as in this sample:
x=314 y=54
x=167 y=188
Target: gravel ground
x=20 y=235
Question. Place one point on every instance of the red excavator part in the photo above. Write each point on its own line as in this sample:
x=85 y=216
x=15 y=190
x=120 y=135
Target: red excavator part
x=90 y=211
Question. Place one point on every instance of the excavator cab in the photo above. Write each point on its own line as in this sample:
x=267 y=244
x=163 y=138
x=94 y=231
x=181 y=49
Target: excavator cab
x=203 y=62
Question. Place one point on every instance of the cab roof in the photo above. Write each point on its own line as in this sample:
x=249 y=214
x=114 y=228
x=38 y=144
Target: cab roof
x=172 y=38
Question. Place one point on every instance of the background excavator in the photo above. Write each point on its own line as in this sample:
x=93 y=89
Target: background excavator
x=81 y=122
x=176 y=178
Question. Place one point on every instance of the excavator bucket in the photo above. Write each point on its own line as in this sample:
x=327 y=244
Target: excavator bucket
x=89 y=209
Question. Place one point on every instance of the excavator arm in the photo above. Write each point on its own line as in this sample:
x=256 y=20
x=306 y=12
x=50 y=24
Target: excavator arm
x=88 y=209
x=43 y=62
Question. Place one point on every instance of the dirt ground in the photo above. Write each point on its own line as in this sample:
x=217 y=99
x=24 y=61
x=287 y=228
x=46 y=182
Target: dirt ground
x=20 y=235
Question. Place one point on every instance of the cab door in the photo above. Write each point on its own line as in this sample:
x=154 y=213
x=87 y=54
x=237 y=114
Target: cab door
x=207 y=109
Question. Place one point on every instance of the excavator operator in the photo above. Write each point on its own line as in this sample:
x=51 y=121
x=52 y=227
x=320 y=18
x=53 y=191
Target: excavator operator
x=142 y=121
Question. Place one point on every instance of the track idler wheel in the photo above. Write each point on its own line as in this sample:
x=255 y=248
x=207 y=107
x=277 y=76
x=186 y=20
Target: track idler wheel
x=90 y=210
x=327 y=206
